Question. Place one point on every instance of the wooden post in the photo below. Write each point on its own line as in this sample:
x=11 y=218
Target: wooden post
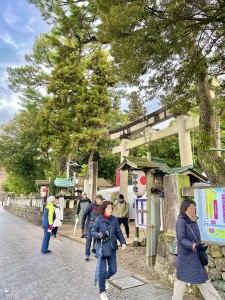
x=151 y=250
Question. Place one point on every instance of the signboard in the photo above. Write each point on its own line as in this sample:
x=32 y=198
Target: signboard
x=141 y=212
x=210 y=205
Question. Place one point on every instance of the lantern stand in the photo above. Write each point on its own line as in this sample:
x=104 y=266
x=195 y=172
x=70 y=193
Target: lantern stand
x=143 y=164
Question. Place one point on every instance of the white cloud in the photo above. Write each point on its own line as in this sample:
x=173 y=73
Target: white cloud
x=7 y=39
x=10 y=18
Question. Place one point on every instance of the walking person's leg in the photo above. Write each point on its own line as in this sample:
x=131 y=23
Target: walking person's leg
x=125 y=223
x=208 y=291
x=178 y=289
x=112 y=265
x=88 y=243
x=45 y=241
x=56 y=230
x=102 y=275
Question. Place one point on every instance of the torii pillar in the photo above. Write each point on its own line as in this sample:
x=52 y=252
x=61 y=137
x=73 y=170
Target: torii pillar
x=184 y=141
x=124 y=173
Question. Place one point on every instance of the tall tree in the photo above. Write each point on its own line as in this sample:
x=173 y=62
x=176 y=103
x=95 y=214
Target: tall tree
x=172 y=48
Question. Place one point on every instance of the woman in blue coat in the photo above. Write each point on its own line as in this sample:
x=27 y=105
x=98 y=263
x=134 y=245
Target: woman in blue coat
x=189 y=267
x=104 y=226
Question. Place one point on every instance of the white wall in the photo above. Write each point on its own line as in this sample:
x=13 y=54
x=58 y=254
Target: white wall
x=131 y=198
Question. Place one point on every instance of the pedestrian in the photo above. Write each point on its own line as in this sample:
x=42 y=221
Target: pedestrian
x=47 y=224
x=106 y=226
x=90 y=214
x=58 y=218
x=82 y=204
x=122 y=213
x=189 y=266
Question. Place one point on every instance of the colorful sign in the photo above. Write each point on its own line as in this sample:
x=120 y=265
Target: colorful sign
x=210 y=204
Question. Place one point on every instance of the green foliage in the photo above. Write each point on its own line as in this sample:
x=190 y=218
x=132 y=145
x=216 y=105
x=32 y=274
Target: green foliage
x=20 y=155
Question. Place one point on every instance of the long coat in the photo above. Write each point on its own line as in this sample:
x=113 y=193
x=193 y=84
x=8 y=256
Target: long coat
x=189 y=267
x=112 y=226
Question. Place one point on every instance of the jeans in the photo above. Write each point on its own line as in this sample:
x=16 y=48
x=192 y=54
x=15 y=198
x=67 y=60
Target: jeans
x=89 y=239
x=124 y=221
x=106 y=273
x=45 y=241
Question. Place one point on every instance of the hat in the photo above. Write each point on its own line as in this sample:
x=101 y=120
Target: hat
x=51 y=199
x=84 y=193
x=99 y=197
x=121 y=196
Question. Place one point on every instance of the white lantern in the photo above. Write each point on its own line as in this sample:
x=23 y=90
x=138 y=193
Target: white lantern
x=139 y=182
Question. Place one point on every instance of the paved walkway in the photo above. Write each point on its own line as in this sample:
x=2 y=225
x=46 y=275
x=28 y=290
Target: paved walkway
x=27 y=274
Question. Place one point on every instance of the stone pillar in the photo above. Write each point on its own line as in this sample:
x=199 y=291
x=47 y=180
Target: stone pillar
x=124 y=174
x=184 y=141
x=172 y=191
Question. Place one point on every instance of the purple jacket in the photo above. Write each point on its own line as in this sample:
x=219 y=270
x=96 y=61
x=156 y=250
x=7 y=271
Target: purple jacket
x=189 y=267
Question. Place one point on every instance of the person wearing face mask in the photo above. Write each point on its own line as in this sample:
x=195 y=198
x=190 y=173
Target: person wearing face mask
x=122 y=212
x=189 y=267
x=106 y=226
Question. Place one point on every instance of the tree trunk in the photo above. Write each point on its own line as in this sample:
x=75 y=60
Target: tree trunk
x=211 y=162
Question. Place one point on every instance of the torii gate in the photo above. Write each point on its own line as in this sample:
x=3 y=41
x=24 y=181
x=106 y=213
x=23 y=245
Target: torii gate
x=145 y=125
x=182 y=128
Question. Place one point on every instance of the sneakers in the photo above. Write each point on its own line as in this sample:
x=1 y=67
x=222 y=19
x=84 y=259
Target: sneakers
x=103 y=296
x=107 y=284
x=86 y=257
x=82 y=236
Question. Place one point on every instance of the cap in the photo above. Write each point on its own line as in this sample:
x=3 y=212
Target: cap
x=99 y=197
x=84 y=193
x=51 y=199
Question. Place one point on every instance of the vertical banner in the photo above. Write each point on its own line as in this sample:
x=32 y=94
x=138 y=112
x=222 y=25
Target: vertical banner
x=141 y=212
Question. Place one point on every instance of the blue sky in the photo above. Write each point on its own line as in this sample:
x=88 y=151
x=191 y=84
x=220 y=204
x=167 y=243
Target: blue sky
x=20 y=24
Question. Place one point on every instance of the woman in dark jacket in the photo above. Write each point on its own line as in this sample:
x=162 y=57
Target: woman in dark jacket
x=189 y=267
x=104 y=226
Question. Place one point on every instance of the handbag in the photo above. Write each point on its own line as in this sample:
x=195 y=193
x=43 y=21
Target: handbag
x=203 y=256
x=106 y=248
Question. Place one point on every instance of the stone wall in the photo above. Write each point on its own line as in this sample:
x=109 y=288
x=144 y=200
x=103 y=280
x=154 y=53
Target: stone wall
x=30 y=214
x=34 y=215
x=166 y=264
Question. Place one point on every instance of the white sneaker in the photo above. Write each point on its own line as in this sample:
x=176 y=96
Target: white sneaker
x=103 y=296
x=107 y=284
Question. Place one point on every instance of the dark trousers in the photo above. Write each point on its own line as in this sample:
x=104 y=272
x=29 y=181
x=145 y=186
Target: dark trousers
x=89 y=239
x=54 y=230
x=124 y=221
x=107 y=272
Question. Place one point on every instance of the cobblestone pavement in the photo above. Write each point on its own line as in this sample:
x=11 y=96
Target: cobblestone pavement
x=27 y=274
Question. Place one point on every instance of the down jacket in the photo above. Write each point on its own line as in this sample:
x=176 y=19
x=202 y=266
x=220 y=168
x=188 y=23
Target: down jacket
x=112 y=226
x=189 y=267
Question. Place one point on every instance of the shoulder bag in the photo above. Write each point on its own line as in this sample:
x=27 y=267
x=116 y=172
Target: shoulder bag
x=203 y=256
x=104 y=248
